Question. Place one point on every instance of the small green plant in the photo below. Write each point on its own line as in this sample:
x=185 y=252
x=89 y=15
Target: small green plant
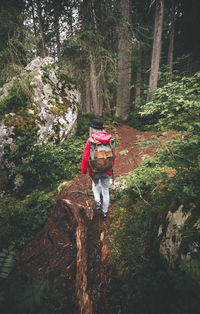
x=191 y=267
x=84 y=123
x=175 y=106
x=19 y=95
x=38 y=295
x=7 y=260
x=21 y=219
x=41 y=165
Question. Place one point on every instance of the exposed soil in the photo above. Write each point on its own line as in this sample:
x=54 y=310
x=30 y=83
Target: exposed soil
x=71 y=249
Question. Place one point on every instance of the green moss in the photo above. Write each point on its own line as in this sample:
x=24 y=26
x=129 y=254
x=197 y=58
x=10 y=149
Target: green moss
x=22 y=120
x=20 y=95
x=60 y=109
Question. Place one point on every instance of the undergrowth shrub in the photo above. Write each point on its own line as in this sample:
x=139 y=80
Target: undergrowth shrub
x=21 y=219
x=20 y=94
x=83 y=123
x=161 y=183
x=7 y=260
x=155 y=291
x=31 y=165
x=175 y=106
x=33 y=296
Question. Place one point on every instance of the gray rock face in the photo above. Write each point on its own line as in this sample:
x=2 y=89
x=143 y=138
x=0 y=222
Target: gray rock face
x=53 y=111
x=5 y=136
x=171 y=242
x=172 y=238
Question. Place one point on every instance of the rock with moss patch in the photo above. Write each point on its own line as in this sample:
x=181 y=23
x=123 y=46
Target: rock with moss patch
x=40 y=102
x=177 y=237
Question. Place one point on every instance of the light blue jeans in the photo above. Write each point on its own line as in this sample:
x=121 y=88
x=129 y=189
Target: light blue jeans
x=104 y=178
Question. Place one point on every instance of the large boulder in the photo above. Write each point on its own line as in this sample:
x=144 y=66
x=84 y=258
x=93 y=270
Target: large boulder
x=177 y=235
x=48 y=106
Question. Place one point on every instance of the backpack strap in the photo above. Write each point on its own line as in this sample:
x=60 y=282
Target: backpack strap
x=96 y=144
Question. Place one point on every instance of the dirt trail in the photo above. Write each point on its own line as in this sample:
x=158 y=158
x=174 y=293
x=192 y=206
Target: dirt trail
x=72 y=241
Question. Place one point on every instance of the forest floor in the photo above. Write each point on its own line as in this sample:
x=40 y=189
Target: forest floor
x=71 y=249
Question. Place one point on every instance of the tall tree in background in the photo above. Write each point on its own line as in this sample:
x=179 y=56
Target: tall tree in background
x=56 y=14
x=29 y=28
x=157 y=44
x=124 y=63
x=140 y=49
x=12 y=38
x=87 y=9
x=171 y=37
x=93 y=16
x=138 y=74
x=41 y=27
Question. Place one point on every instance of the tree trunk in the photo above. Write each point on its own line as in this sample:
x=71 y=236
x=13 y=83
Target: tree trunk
x=157 y=44
x=171 y=39
x=87 y=103
x=106 y=96
x=57 y=31
x=39 y=13
x=93 y=86
x=100 y=97
x=33 y=17
x=138 y=76
x=124 y=64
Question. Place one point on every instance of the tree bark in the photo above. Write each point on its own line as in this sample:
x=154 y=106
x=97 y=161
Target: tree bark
x=39 y=13
x=57 y=31
x=33 y=17
x=124 y=64
x=171 y=39
x=87 y=102
x=106 y=95
x=100 y=97
x=138 y=76
x=93 y=86
x=157 y=44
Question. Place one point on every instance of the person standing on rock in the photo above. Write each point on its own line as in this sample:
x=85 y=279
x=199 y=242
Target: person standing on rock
x=104 y=142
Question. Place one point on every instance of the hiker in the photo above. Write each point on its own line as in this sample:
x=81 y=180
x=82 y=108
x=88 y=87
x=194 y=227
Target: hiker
x=98 y=135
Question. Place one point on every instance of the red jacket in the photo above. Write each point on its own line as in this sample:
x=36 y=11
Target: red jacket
x=99 y=136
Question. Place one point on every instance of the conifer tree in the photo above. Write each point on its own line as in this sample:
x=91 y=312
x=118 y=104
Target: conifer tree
x=124 y=63
x=157 y=44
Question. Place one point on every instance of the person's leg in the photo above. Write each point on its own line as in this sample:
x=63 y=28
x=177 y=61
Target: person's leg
x=96 y=191
x=105 y=182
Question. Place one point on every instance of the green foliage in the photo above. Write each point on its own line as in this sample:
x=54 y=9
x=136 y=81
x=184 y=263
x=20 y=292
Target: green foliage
x=21 y=219
x=167 y=179
x=41 y=165
x=16 y=43
x=155 y=291
x=77 y=54
x=33 y=296
x=27 y=297
x=29 y=166
x=161 y=183
x=128 y=235
x=19 y=95
x=83 y=123
x=9 y=71
x=191 y=267
x=7 y=259
x=73 y=149
x=175 y=106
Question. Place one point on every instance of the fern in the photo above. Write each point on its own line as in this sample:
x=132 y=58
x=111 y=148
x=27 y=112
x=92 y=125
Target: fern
x=7 y=260
x=191 y=267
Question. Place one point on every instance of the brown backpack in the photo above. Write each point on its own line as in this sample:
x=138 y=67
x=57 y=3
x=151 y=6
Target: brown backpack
x=102 y=155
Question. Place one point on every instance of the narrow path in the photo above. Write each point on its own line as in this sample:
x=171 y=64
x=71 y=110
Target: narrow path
x=72 y=240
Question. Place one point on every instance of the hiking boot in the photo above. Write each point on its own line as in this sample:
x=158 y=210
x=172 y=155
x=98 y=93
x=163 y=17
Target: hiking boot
x=104 y=215
x=97 y=205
